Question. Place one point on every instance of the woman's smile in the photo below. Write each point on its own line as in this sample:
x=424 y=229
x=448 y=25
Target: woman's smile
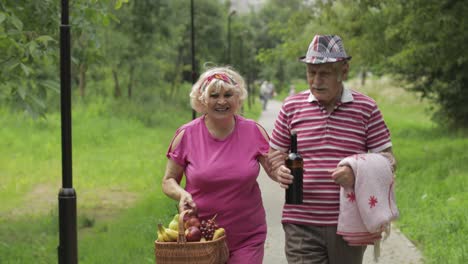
x=222 y=109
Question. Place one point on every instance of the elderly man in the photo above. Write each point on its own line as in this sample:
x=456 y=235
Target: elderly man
x=332 y=122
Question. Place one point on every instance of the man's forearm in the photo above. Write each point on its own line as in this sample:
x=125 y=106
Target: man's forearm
x=388 y=153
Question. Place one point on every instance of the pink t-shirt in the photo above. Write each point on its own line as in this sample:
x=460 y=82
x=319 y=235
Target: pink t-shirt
x=222 y=176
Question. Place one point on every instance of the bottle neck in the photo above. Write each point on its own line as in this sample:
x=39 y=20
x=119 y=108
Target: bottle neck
x=293 y=143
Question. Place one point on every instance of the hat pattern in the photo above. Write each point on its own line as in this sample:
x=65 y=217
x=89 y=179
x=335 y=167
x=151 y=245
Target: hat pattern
x=325 y=49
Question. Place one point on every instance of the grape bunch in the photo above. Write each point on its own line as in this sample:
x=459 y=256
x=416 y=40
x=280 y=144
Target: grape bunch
x=208 y=228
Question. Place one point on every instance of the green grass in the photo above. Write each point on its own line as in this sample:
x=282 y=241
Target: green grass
x=118 y=163
x=128 y=238
x=432 y=174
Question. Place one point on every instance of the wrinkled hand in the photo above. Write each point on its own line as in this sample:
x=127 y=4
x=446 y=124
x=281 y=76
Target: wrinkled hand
x=343 y=176
x=283 y=176
x=278 y=171
x=186 y=203
x=276 y=159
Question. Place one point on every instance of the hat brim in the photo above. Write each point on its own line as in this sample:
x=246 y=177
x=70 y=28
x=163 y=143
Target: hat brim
x=322 y=60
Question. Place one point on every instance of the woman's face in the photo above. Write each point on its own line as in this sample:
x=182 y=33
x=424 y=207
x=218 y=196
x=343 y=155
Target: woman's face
x=222 y=103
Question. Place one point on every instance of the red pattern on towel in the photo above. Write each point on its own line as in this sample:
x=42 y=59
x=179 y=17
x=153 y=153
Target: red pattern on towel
x=367 y=209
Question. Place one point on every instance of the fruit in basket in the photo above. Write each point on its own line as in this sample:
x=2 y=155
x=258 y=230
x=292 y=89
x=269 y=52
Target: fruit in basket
x=208 y=228
x=193 y=234
x=219 y=233
x=171 y=234
x=174 y=224
x=161 y=236
x=192 y=221
x=166 y=234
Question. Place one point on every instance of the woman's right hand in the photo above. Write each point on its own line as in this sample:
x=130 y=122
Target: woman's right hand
x=186 y=203
x=278 y=171
x=276 y=158
x=283 y=176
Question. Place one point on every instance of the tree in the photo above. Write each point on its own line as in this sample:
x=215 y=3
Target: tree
x=87 y=21
x=29 y=36
x=432 y=59
x=281 y=39
x=28 y=44
x=419 y=42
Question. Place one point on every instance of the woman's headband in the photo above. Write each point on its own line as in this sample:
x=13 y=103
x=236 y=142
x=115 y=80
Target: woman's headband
x=218 y=76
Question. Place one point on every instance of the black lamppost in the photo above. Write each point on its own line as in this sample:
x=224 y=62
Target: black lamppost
x=233 y=12
x=192 y=39
x=68 y=245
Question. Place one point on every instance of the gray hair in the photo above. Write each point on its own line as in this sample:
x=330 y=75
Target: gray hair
x=338 y=66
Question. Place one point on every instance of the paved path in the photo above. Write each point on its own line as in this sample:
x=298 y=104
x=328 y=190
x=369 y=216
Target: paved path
x=273 y=198
x=397 y=249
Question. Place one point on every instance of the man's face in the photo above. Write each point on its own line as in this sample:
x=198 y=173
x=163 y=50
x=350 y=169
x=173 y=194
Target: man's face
x=325 y=81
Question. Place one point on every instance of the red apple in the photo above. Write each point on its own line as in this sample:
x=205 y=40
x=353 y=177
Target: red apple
x=193 y=234
x=192 y=221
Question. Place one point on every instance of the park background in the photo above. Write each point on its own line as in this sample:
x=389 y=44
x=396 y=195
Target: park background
x=131 y=70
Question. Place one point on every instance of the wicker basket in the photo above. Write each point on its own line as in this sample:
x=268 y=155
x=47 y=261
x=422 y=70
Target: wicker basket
x=181 y=252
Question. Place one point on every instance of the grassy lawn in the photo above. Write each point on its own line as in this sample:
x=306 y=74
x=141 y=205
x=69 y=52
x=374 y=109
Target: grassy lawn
x=118 y=162
x=432 y=175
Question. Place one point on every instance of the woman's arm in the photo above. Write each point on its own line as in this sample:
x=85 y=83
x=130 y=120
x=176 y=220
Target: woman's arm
x=263 y=159
x=273 y=164
x=171 y=182
x=278 y=170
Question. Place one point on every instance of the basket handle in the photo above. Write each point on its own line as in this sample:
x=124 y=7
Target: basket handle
x=181 y=238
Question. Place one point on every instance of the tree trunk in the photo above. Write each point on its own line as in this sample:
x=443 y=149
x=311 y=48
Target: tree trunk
x=363 y=77
x=249 y=90
x=130 y=82
x=177 y=70
x=82 y=80
x=117 y=92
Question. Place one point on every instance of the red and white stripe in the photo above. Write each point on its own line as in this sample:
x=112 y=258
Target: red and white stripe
x=355 y=126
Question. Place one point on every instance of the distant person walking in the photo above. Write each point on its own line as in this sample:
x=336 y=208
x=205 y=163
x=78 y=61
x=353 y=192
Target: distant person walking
x=267 y=91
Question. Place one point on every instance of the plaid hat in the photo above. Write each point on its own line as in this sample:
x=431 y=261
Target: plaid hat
x=325 y=49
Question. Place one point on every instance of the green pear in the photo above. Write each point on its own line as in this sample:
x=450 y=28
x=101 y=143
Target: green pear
x=174 y=224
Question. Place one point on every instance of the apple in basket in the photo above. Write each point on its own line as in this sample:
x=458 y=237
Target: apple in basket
x=193 y=234
x=192 y=221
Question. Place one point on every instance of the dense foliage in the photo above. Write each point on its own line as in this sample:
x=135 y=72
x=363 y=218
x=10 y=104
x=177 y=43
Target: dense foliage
x=131 y=70
x=418 y=42
x=142 y=49
x=137 y=48
x=28 y=56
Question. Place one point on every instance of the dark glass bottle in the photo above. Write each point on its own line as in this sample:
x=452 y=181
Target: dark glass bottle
x=296 y=164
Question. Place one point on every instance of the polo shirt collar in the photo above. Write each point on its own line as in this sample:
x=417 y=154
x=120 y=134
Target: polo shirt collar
x=346 y=96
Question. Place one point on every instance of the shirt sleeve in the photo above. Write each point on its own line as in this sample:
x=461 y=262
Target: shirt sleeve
x=378 y=135
x=263 y=145
x=280 y=139
x=179 y=153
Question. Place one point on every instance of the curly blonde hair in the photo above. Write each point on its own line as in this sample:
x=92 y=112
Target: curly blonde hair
x=207 y=84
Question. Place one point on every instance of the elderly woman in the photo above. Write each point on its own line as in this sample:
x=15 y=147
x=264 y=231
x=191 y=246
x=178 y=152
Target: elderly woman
x=220 y=154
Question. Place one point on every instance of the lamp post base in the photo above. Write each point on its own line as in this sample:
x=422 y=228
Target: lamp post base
x=68 y=247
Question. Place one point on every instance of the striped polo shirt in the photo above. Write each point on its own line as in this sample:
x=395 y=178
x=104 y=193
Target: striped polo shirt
x=355 y=126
